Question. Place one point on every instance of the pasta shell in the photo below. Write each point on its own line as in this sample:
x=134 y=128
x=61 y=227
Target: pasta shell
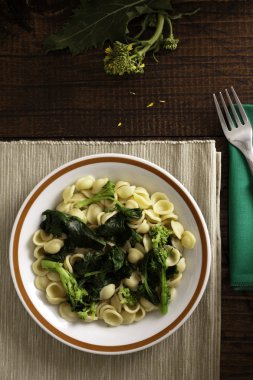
x=55 y=293
x=125 y=191
x=131 y=203
x=143 y=228
x=39 y=252
x=140 y=314
x=93 y=211
x=98 y=184
x=142 y=201
x=112 y=317
x=155 y=197
x=64 y=207
x=37 y=238
x=85 y=183
x=66 y=312
x=163 y=207
x=152 y=216
x=131 y=309
x=128 y=318
x=188 y=240
x=41 y=282
x=181 y=265
x=176 y=243
x=53 y=276
x=37 y=268
x=133 y=281
x=78 y=213
x=68 y=193
x=173 y=256
x=120 y=184
x=53 y=246
x=67 y=264
x=177 y=228
x=147 y=243
x=107 y=292
x=115 y=302
x=147 y=305
x=134 y=255
x=174 y=281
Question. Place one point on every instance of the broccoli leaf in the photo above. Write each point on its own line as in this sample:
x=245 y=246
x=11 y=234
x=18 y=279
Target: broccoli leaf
x=115 y=229
x=78 y=234
x=94 y=23
x=117 y=257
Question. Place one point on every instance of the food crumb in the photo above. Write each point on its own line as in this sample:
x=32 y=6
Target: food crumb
x=162 y=101
x=132 y=93
x=119 y=124
x=150 y=105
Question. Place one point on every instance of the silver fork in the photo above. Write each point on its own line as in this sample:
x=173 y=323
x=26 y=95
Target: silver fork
x=240 y=133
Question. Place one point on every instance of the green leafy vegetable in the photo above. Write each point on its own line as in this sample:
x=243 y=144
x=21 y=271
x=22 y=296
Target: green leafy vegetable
x=95 y=22
x=78 y=233
x=128 y=296
x=75 y=293
x=107 y=192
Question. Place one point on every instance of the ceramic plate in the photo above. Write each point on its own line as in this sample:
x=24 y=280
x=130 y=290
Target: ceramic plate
x=97 y=337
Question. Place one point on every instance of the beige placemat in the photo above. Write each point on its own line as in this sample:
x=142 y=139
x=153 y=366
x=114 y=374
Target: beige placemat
x=27 y=352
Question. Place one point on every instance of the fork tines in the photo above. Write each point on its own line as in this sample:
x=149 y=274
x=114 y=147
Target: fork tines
x=228 y=116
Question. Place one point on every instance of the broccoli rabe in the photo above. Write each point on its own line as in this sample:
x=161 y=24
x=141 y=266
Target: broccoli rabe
x=160 y=236
x=128 y=296
x=88 y=311
x=75 y=293
x=107 y=192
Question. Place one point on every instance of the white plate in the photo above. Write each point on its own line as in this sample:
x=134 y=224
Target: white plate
x=96 y=337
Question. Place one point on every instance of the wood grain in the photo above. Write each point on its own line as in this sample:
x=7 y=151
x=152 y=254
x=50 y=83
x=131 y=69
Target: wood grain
x=60 y=96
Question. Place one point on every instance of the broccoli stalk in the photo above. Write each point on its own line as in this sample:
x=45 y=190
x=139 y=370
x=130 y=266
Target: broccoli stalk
x=128 y=58
x=160 y=235
x=107 y=192
x=75 y=293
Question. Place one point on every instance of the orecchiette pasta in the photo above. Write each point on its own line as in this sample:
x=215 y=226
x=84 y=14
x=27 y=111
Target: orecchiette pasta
x=118 y=300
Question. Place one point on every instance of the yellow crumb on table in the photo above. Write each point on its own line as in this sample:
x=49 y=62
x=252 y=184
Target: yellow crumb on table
x=119 y=124
x=150 y=105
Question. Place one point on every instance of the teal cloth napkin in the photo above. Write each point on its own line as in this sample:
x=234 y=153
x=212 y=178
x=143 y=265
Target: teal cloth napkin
x=240 y=217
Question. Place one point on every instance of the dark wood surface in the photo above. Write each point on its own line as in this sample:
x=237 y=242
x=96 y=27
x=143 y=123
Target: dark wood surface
x=59 y=96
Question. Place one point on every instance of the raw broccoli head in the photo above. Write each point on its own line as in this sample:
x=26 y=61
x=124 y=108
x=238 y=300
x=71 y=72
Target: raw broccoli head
x=123 y=59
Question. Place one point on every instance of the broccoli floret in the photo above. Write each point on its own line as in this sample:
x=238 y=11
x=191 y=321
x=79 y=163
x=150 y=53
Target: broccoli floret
x=122 y=59
x=170 y=43
x=88 y=311
x=75 y=293
x=128 y=297
x=128 y=58
x=160 y=236
x=107 y=192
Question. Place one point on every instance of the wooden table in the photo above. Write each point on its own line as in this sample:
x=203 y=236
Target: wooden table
x=58 y=96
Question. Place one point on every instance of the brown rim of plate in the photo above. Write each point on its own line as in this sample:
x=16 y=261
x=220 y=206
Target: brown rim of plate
x=94 y=347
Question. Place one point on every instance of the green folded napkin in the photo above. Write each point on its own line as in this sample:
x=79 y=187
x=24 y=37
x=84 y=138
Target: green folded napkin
x=240 y=217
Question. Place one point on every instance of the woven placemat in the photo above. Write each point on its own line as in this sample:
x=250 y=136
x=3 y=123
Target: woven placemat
x=27 y=352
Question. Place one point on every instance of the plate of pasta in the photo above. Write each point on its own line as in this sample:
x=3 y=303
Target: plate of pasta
x=110 y=254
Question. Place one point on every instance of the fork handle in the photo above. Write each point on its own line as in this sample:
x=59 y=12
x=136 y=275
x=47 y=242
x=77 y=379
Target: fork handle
x=249 y=159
